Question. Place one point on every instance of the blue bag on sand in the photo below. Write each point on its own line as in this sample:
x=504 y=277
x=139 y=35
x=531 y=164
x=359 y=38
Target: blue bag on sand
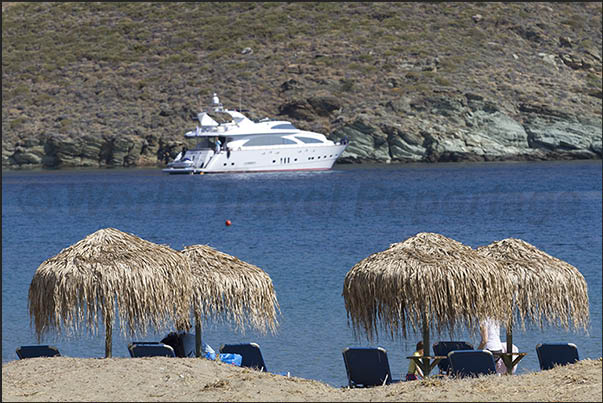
x=231 y=358
x=208 y=352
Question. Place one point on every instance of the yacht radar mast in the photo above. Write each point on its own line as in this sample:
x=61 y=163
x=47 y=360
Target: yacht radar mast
x=216 y=103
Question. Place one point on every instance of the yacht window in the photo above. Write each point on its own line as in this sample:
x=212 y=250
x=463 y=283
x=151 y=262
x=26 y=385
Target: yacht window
x=202 y=144
x=268 y=141
x=284 y=126
x=309 y=140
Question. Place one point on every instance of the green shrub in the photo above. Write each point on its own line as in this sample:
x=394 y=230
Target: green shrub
x=394 y=23
x=219 y=54
x=409 y=37
x=43 y=99
x=477 y=36
x=442 y=81
x=418 y=88
x=17 y=123
x=21 y=89
x=593 y=80
x=574 y=21
x=179 y=58
x=389 y=66
x=347 y=85
x=244 y=75
x=296 y=44
x=362 y=68
x=587 y=43
x=413 y=76
x=451 y=63
x=327 y=7
x=366 y=58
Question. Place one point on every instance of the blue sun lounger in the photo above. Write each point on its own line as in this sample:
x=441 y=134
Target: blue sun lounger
x=442 y=348
x=465 y=363
x=34 y=351
x=150 y=349
x=183 y=343
x=551 y=354
x=251 y=355
x=367 y=366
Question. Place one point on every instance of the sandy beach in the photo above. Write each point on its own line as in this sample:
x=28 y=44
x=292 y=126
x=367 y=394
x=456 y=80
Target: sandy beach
x=186 y=379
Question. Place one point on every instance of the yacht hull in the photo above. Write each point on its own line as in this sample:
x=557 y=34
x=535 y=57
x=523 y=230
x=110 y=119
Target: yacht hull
x=265 y=160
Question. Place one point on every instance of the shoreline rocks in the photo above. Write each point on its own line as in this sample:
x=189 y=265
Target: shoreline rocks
x=478 y=134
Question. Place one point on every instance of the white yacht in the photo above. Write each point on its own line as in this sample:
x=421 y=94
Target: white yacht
x=243 y=145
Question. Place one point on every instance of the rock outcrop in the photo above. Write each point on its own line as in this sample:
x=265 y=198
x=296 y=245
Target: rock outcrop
x=478 y=132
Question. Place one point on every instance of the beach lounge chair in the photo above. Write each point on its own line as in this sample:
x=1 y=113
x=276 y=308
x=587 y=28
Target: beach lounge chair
x=37 y=350
x=150 y=349
x=464 y=363
x=551 y=354
x=442 y=348
x=250 y=353
x=367 y=366
x=183 y=344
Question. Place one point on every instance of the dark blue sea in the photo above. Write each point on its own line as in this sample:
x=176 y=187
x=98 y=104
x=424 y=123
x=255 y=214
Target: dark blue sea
x=306 y=230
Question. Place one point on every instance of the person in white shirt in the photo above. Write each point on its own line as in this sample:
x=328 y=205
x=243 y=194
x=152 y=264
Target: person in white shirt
x=490 y=340
x=490 y=332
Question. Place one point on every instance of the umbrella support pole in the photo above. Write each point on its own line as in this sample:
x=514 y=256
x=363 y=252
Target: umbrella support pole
x=108 y=338
x=425 y=337
x=509 y=347
x=198 y=338
x=425 y=367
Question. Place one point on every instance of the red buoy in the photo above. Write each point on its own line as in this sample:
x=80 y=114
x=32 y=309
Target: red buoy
x=228 y=223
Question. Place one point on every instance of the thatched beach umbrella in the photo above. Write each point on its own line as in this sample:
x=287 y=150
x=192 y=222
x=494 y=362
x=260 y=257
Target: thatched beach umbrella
x=545 y=289
x=427 y=280
x=228 y=289
x=110 y=269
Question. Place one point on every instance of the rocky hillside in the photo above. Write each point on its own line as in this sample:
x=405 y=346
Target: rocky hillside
x=117 y=84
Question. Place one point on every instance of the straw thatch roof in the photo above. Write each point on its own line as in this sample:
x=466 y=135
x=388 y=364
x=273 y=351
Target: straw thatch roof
x=110 y=269
x=546 y=289
x=427 y=274
x=229 y=289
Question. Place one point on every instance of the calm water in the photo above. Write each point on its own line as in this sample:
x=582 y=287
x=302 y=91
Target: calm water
x=306 y=230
